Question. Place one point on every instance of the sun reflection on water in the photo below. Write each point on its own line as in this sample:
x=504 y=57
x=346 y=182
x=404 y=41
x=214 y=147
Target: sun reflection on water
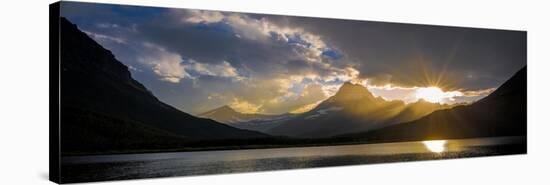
x=436 y=146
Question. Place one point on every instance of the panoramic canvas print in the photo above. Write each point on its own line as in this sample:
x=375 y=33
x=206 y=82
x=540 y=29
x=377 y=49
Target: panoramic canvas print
x=141 y=92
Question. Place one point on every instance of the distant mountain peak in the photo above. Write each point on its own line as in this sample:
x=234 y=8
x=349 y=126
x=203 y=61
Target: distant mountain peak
x=226 y=114
x=225 y=109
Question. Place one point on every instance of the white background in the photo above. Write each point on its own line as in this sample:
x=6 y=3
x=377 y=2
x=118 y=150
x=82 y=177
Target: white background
x=24 y=91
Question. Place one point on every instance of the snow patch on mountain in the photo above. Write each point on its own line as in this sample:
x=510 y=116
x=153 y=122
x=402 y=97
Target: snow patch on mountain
x=323 y=111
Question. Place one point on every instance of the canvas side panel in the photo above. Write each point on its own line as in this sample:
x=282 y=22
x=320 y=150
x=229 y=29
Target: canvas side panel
x=54 y=154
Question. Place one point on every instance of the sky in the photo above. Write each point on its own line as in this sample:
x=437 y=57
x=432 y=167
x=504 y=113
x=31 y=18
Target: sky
x=199 y=60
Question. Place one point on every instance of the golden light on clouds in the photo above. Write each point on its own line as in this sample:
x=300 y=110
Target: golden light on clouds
x=291 y=96
x=244 y=106
x=305 y=108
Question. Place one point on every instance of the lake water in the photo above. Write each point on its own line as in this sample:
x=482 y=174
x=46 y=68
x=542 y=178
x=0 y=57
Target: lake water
x=128 y=166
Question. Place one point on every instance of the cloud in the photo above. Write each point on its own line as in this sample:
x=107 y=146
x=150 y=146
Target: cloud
x=306 y=44
x=202 y=16
x=278 y=57
x=270 y=96
x=310 y=94
x=409 y=94
x=407 y=52
x=388 y=92
x=105 y=38
x=171 y=67
x=482 y=92
x=244 y=106
x=167 y=65
x=107 y=25
x=224 y=69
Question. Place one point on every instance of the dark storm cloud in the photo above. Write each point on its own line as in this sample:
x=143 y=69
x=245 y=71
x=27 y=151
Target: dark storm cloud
x=217 y=42
x=463 y=57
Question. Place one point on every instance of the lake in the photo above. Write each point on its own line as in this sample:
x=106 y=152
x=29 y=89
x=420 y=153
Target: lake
x=128 y=166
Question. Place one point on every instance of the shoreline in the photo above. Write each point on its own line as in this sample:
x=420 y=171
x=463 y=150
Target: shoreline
x=270 y=146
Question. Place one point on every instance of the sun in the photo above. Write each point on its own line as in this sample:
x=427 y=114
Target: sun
x=431 y=94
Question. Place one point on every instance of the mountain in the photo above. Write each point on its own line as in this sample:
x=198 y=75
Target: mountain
x=256 y=122
x=104 y=108
x=502 y=113
x=417 y=110
x=353 y=108
x=228 y=115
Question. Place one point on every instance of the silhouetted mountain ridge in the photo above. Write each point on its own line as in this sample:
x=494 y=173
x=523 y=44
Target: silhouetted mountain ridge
x=502 y=113
x=104 y=108
x=226 y=114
